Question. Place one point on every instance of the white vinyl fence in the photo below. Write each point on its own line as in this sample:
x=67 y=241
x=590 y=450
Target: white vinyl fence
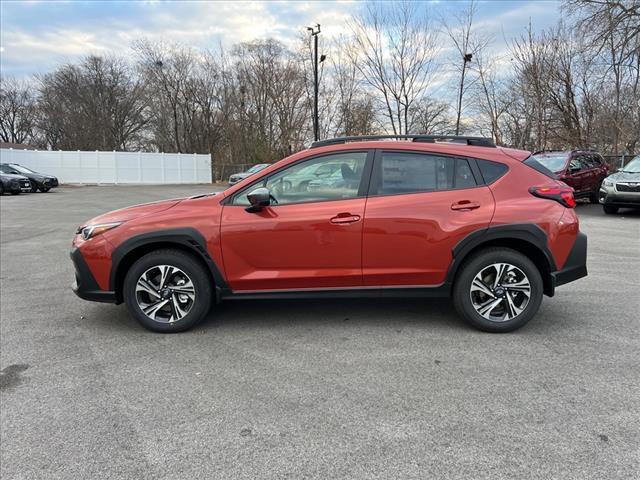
x=114 y=167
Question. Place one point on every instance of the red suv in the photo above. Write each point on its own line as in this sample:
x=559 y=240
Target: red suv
x=582 y=170
x=420 y=216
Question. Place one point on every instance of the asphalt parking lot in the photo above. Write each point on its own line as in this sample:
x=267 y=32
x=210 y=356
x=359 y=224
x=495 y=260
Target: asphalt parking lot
x=325 y=389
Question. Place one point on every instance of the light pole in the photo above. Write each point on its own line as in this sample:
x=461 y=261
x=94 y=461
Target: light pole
x=465 y=58
x=316 y=61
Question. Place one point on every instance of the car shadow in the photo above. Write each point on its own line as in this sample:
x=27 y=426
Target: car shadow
x=236 y=314
x=584 y=209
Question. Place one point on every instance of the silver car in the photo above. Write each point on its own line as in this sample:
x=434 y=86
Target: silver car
x=236 y=177
x=621 y=189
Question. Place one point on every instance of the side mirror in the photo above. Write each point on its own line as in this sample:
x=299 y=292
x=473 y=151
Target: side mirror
x=258 y=198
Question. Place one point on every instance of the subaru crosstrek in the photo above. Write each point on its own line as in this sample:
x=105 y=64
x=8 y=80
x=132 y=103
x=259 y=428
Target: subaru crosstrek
x=418 y=216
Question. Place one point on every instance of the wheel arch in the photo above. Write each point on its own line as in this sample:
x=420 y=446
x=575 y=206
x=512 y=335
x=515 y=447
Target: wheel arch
x=527 y=239
x=187 y=240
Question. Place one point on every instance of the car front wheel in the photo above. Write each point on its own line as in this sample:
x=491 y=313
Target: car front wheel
x=168 y=291
x=608 y=209
x=498 y=290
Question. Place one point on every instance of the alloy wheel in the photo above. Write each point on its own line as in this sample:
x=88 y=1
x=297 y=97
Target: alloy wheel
x=500 y=292
x=165 y=293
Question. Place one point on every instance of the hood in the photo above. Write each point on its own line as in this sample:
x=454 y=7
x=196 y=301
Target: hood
x=624 y=177
x=135 y=211
x=38 y=177
x=13 y=176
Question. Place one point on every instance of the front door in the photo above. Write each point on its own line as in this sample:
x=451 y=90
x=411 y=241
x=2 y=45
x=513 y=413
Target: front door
x=420 y=206
x=311 y=234
x=578 y=174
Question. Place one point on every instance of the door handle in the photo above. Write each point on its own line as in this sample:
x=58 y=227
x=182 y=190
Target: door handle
x=343 y=218
x=465 y=205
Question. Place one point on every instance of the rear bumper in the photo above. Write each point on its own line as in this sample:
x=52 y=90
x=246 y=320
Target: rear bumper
x=576 y=265
x=85 y=286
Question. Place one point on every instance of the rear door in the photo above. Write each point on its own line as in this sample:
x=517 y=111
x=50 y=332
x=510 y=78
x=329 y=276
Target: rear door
x=310 y=238
x=420 y=206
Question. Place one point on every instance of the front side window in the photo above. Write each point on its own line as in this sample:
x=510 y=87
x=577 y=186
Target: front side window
x=7 y=169
x=329 y=177
x=402 y=172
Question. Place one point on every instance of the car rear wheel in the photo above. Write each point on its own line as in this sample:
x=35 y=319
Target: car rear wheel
x=610 y=210
x=498 y=290
x=168 y=291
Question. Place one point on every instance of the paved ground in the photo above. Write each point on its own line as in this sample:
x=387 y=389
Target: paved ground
x=351 y=389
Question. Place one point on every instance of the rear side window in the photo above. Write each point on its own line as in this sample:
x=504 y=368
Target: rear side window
x=538 y=167
x=491 y=171
x=402 y=172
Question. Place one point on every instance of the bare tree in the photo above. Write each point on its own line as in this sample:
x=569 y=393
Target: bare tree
x=468 y=45
x=17 y=111
x=432 y=117
x=97 y=104
x=396 y=55
x=612 y=29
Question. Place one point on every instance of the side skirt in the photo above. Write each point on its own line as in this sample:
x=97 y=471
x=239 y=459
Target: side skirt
x=439 y=291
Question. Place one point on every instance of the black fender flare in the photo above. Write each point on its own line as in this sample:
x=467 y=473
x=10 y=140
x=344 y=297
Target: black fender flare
x=187 y=238
x=526 y=232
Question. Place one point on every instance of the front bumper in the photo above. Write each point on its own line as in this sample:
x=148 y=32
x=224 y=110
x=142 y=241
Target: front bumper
x=25 y=186
x=613 y=196
x=85 y=286
x=576 y=265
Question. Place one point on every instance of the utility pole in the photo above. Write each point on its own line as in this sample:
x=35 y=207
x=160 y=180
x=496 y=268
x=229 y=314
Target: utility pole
x=465 y=58
x=316 y=61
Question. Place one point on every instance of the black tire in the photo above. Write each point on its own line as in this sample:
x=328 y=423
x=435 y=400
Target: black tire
x=45 y=189
x=1 y=189
x=34 y=187
x=609 y=209
x=593 y=197
x=477 y=263
x=196 y=272
x=16 y=193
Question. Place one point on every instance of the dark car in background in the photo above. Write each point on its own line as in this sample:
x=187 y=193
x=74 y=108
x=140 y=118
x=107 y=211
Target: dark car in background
x=237 y=177
x=622 y=189
x=39 y=181
x=13 y=184
x=582 y=170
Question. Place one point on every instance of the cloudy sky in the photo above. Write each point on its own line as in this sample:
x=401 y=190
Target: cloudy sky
x=38 y=35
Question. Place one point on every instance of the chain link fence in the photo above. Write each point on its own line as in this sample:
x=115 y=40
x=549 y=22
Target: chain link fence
x=617 y=161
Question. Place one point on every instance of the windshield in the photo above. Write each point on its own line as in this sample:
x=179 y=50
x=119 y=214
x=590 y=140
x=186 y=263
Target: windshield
x=633 y=166
x=555 y=163
x=22 y=169
x=257 y=168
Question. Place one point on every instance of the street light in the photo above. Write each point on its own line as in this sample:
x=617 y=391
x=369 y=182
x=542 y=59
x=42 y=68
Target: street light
x=316 y=61
x=465 y=58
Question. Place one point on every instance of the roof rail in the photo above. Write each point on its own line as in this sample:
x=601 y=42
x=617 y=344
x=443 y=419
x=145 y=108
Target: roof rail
x=475 y=141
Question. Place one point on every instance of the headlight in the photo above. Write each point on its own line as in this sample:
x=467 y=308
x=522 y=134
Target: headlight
x=91 y=231
x=607 y=183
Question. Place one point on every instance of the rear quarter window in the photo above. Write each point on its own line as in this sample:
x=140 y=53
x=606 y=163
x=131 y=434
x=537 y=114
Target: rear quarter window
x=538 y=167
x=491 y=171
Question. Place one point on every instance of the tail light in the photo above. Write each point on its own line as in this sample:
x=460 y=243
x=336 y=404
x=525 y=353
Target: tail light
x=562 y=195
